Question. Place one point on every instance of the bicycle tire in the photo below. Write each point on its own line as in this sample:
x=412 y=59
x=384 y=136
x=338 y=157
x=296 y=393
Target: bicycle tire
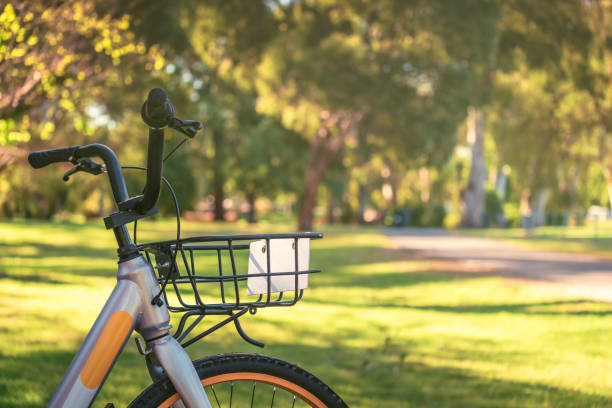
x=225 y=370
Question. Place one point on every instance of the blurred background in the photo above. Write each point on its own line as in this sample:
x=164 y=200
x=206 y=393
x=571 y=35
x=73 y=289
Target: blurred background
x=469 y=114
x=484 y=119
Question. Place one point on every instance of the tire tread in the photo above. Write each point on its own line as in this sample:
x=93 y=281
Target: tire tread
x=161 y=390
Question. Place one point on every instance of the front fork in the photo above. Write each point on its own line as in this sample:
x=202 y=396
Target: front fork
x=169 y=358
x=129 y=308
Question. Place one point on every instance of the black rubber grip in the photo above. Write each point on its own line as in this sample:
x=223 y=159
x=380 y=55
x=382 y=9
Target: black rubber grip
x=156 y=101
x=157 y=109
x=44 y=157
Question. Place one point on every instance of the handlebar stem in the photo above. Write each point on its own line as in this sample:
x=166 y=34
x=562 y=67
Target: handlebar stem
x=145 y=202
x=155 y=164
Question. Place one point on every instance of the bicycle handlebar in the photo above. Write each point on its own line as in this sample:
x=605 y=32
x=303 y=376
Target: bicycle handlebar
x=113 y=168
x=155 y=152
x=45 y=157
x=157 y=109
x=157 y=112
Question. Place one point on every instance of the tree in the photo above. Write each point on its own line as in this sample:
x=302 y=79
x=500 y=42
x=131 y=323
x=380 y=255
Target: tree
x=526 y=123
x=51 y=58
x=473 y=196
x=391 y=71
x=570 y=42
x=227 y=38
x=54 y=59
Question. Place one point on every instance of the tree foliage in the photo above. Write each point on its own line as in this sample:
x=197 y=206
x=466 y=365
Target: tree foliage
x=393 y=74
x=556 y=57
x=364 y=97
x=53 y=57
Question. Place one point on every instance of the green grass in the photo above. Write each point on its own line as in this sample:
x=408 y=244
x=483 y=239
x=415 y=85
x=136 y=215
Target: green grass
x=595 y=238
x=383 y=329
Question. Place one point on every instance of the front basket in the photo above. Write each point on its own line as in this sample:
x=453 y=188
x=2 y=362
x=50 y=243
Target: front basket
x=220 y=275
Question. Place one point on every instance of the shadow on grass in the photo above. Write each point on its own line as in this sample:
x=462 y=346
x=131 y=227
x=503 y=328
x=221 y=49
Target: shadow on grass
x=44 y=250
x=34 y=278
x=344 y=256
x=28 y=270
x=382 y=380
x=20 y=382
x=556 y=308
x=390 y=279
x=536 y=308
x=327 y=258
x=386 y=377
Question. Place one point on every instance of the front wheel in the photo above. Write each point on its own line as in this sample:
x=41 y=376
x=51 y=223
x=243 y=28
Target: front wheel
x=248 y=380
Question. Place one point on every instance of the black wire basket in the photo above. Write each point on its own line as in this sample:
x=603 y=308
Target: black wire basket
x=230 y=275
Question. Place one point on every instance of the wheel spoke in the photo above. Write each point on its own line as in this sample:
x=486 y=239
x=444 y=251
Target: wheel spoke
x=231 y=393
x=273 y=394
x=253 y=394
x=246 y=376
x=212 y=387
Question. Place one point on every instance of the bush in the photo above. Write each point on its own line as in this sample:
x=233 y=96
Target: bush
x=512 y=214
x=493 y=207
x=421 y=216
x=452 y=219
x=435 y=216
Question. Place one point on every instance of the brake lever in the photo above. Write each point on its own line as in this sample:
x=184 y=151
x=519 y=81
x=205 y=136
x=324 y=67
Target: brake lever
x=87 y=165
x=187 y=127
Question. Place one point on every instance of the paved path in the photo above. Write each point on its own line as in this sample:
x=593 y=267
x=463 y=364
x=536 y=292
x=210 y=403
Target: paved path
x=580 y=275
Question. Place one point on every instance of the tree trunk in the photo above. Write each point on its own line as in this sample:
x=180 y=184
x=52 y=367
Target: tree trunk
x=323 y=149
x=252 y=215
x=314 y=177
x=331 y=219
x=538 y=206
x=473 y=196
x=218 y=178
x=395 y=181
x=363 y=202
x=219 y=195
x=501 y=184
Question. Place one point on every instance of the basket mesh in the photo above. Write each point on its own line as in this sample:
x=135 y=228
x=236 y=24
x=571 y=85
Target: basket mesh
x=208 y=276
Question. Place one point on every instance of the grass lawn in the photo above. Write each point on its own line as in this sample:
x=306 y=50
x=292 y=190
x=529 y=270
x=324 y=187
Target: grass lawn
x=594 y=238
x=383 y=329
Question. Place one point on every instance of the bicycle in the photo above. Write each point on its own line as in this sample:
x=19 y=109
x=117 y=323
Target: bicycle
x=142 y=300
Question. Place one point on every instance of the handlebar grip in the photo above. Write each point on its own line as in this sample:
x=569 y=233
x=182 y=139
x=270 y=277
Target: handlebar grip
x=42 y=158
x=156 y=100
x=157 y=109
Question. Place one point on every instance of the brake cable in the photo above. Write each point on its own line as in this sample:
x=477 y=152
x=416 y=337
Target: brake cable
x=155 y=299
x=175 y=149
x=187 y=127
x=174 y=199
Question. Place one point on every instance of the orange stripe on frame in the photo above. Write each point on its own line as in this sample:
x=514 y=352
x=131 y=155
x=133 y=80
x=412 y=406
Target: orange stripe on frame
x=107 y=347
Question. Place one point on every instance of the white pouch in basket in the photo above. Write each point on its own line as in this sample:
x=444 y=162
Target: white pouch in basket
x=282 y=259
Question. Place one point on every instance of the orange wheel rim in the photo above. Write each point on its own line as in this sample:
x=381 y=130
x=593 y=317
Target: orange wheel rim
x=307 y=396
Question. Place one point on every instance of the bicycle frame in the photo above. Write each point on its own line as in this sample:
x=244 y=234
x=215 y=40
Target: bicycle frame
x=129 y=308
x=133 y=304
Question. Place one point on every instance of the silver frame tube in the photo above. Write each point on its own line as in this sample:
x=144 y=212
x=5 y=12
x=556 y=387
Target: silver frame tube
x=128 y=307
x=179 y=368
